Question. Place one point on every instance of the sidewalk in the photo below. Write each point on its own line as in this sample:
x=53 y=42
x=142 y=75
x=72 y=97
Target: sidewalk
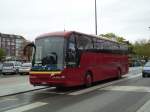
x=15 y=84
x=19 y=84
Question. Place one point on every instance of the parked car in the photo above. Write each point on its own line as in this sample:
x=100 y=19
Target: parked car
x=11 y=67
x=146 y=70
x=25 y=68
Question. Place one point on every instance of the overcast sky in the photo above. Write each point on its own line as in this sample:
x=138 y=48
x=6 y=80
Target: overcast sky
x=127 y=18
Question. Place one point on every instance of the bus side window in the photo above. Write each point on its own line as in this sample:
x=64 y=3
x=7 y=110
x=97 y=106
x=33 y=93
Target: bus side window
x=84 y=42
x=71 y=52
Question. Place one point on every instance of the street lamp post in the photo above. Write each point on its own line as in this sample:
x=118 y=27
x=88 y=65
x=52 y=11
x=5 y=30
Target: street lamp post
x=95 y=18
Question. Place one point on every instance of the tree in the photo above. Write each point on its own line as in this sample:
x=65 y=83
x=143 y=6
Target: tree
x=130 y=48
x=113 y=36
x=141 y=48
x=2 y=53
x=109 y=35
x=119 y=39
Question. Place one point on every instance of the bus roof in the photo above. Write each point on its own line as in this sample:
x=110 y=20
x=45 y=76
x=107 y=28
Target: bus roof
x=63 y=33
x=67 y=33
x=59 y=33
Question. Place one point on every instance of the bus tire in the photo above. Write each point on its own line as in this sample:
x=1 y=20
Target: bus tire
x=88 y=79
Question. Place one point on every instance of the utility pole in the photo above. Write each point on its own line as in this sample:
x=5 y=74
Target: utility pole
x=95 y=18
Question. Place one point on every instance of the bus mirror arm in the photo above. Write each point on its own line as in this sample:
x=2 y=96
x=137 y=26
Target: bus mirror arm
x=25 y=50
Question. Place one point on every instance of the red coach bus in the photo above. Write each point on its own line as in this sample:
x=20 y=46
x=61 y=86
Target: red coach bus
x=71 y=58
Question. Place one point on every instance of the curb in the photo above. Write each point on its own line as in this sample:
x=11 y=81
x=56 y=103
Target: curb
x=11 y=94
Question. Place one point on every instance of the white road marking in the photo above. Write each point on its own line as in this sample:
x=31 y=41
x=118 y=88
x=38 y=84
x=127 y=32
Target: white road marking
x=7 y=99
x=11 y=106
x=102 y=85
x=128 y=88
x=27 y=107
x=145 y=107
x=134 y=76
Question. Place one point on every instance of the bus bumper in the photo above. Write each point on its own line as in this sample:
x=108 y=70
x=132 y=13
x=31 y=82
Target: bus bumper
x=47 y=81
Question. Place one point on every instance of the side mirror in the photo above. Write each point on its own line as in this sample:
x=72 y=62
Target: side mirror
x=25 y=51
x=29 y=45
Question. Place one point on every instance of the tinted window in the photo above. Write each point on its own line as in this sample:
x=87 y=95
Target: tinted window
x=26 y=64
x=98 y=43
x=8 y=64
x=49 y=52
x=17 y=63
x=147 y=64
x=103 y=44
x=71 y=51
x=84 y=42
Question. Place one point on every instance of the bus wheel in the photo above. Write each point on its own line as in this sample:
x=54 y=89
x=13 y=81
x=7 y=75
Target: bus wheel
x=88 y=80
x=119 y=74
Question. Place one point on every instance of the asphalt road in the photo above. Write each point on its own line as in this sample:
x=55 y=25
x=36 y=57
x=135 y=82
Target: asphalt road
x=130 y=94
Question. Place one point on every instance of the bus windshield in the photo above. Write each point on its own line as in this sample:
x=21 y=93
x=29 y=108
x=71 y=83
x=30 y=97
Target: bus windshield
x=49 y=53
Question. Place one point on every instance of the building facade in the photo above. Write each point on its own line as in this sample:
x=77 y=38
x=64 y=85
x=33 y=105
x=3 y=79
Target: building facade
x=12 y=45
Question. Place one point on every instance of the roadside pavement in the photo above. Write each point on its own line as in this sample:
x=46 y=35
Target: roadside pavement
x=10 y=85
